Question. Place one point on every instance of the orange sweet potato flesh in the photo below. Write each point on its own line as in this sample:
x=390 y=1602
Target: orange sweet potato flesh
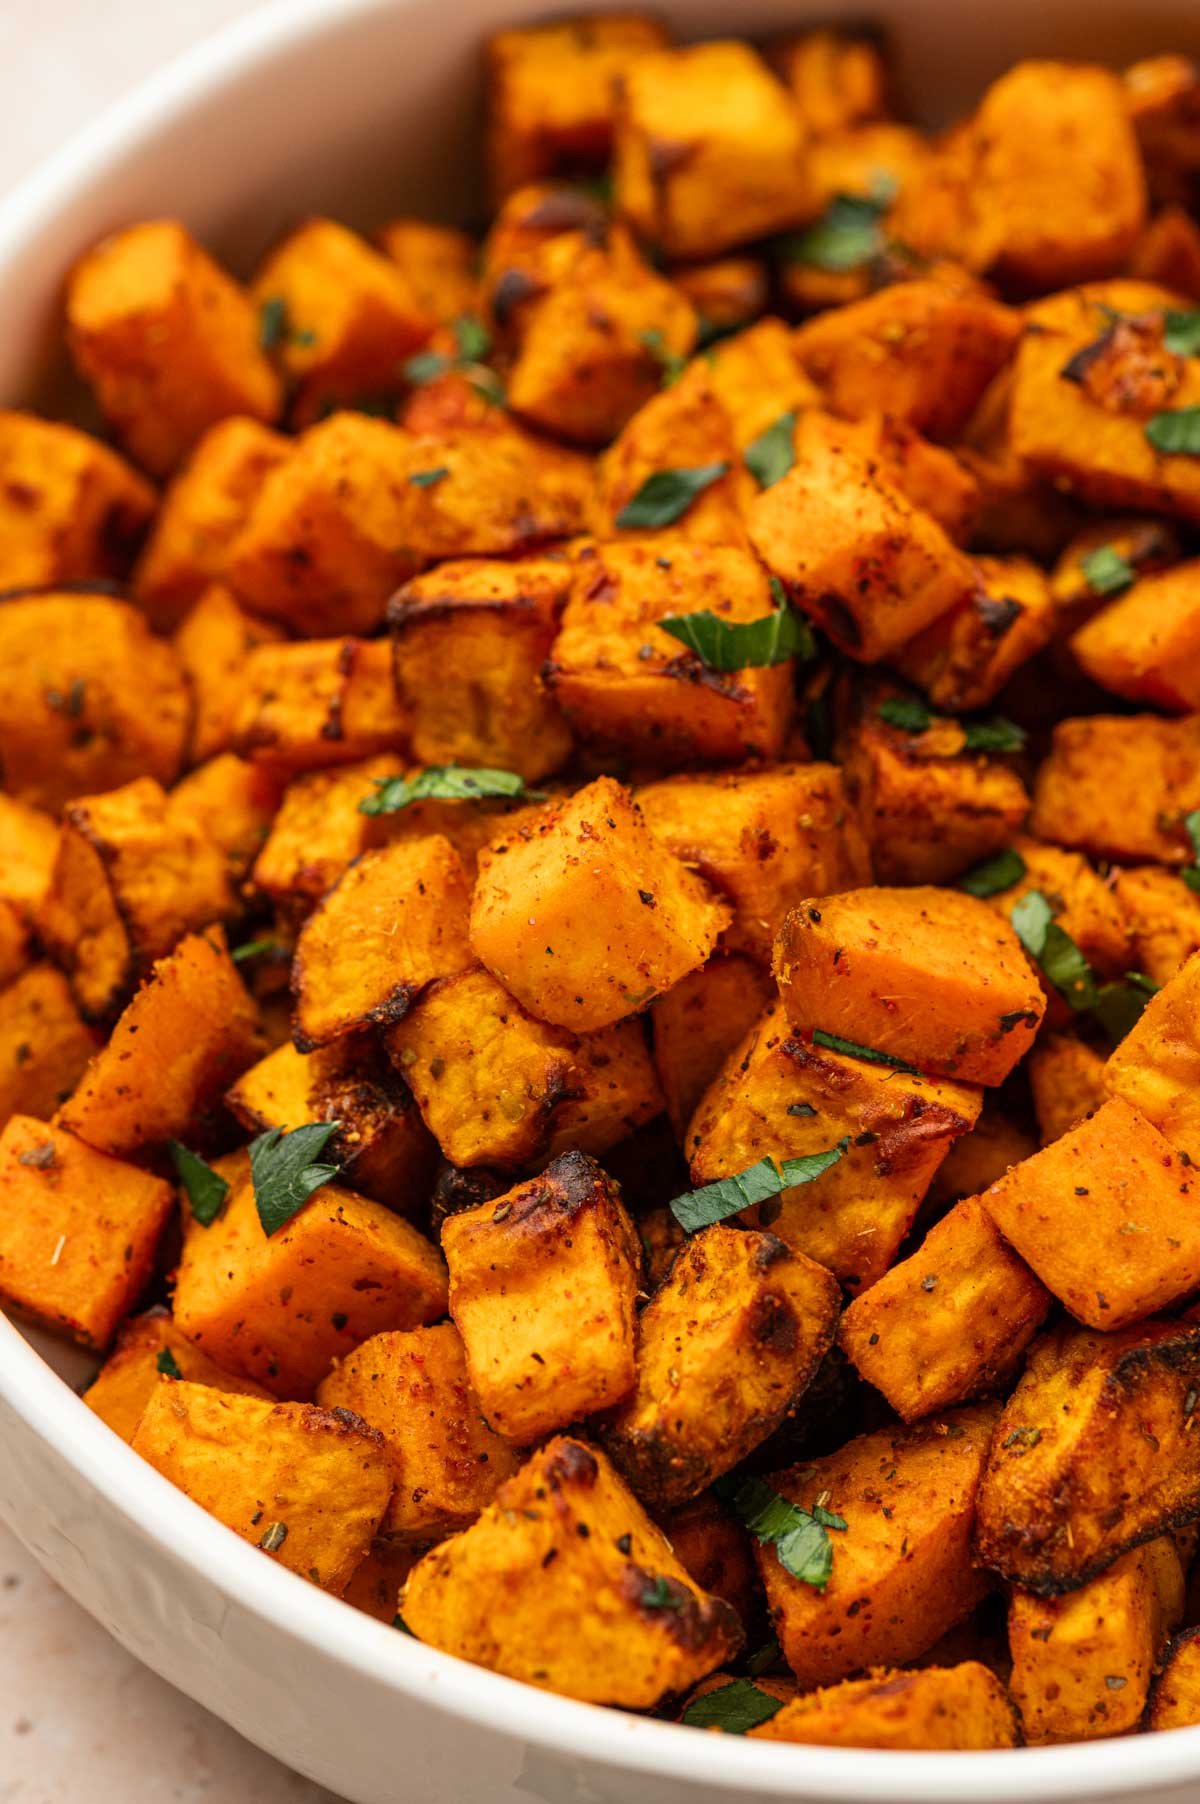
x=936 y=1707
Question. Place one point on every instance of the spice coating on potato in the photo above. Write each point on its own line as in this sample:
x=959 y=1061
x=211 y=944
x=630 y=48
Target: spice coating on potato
x=936 y=1707
x=1175 y=1695
x=146 y=1346
x=70 y=509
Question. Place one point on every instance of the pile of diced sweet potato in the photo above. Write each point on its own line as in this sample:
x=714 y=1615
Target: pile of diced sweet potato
x=600 y=891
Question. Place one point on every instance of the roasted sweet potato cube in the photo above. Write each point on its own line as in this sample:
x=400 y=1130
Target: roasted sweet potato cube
x=131 y=878
x=234 y=803
x=168 y=341
x=780 y=1098
x=927 y=475
x=684 y=426
x=1082 y=1664
x=1147 y=545
x=339 y=317
x=469 y=641
x=1119 y=786
x=853 y=552
x=1162 y=915
x=902 y=1569
x=1085 y=388
x=1146 y=644
x=588 y=860
x=391 y=925
x=542 y=1288
x=928 y=976
x=979 y=1157
x=78 y=1230
x=202 y=513
x=1092 y=1455
x=837 y=78
x=71 y=510
x=949 y=1323
x=89 y=698
x=728 y=293
x=188 y=1032
x=1066 y=1078
x=549 y=94
x=44 y=1042
x=28 y=848
x=566 y=1583
x=1106 y=1217
x=447 y=1462
x=1168 y=253
x=596 y=316
x=708 y=149
x=281 y=1308
x=623 y=681
x=212 y=643
x=936 y=1707
x=438 y=264
x=929 y=808
x=756 y=377
x=499 y=1088
x=763 y=838
x=382 y=1145
x=965 y=658
x=922 y=352
x=319 y=829
x=307 y=1485
x=1083 y=902
x=697 y=1024
x=1175 y=1693
x=1155 y=1068
x=1162 y=93
x=377 y=1579
x=714 y=1549
x=725 y=1345
x=307 y=704
x=146 y=1347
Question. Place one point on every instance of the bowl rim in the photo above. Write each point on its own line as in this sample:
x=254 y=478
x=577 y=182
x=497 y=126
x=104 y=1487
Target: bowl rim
x=617 y=1740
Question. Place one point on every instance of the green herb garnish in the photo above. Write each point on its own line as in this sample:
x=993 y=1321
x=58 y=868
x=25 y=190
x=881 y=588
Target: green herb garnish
x=907 y=713
x=206 y=1189
x=994 y=875
x=1117 y=1006
x=425 y=479
x=847 y=235
x=167 y=1364
x=1176 y=432
x=800 y=1537
x=744 y=644
x=472 y=344
x=1181 y=332
x=729 y=1196
x=445 y=783
x=275 y=328
x=668 y=494
x=912 y=715
x=772 y=454
x=1107 y=572
x=284 y=1173
x=255 y=949
x=669 y=362
x=660 y=1594
x=735 y=1707
x=1191 y=872
x=852 y=1049
x=274 y=1537
x=472 y=337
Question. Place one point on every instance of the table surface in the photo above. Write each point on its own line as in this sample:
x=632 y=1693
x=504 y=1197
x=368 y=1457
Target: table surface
x=79 y=1719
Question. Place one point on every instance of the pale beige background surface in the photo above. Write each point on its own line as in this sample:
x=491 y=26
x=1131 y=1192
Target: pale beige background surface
x=80 y=1722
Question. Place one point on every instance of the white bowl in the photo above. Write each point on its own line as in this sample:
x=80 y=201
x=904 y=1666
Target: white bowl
x=365 y=108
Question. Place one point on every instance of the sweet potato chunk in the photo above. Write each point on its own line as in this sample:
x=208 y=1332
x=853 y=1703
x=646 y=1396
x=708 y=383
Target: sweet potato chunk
x=1066 y=1078
x=950 y=1322
x=319 y=829
x=837 y=78
x=147 y=1346
x=188 y=1032
x=414 y=1388
x=965 y=658
x=1106 y=1217
x=382 y=1145
x=317 y=702
x=1162 y=915
x=937 y=1707
x=168 y=341
x=280 y=1309
x=1083 y=903
x=708 y=150
x=498 y=1087
x=1155 y=1068
x=212 y=643
x=780 y=1098
x=921 y=352
x=28 y=848
x=683 y=426
x=1093 y=1454
x=1175 y=1694
x=623 y=681
x=581 y=864
x=71 y=510
x=549 y=94
x=1082 y=1664
x=756 y=377
x=542 y=1287
x=469 y=641
x=927 y=475
x=392 y=924
x=566 y=1583
x=233 y=803
x=307 y=1486
x=727 y=1342
x=902 y=1571
x=438 y=264
x=202 y=513
x=928 y=976
x=728 y=293
x=981 y=1156
x=764 y=838
x=44 y=1042
x=78 y=1230
x=1146 y=644
x=1118 y=786
x=853 y=552
x=89 y=699
x=341 y=318
x=130 y=879
x=697 y=1024
x=377 y=1579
